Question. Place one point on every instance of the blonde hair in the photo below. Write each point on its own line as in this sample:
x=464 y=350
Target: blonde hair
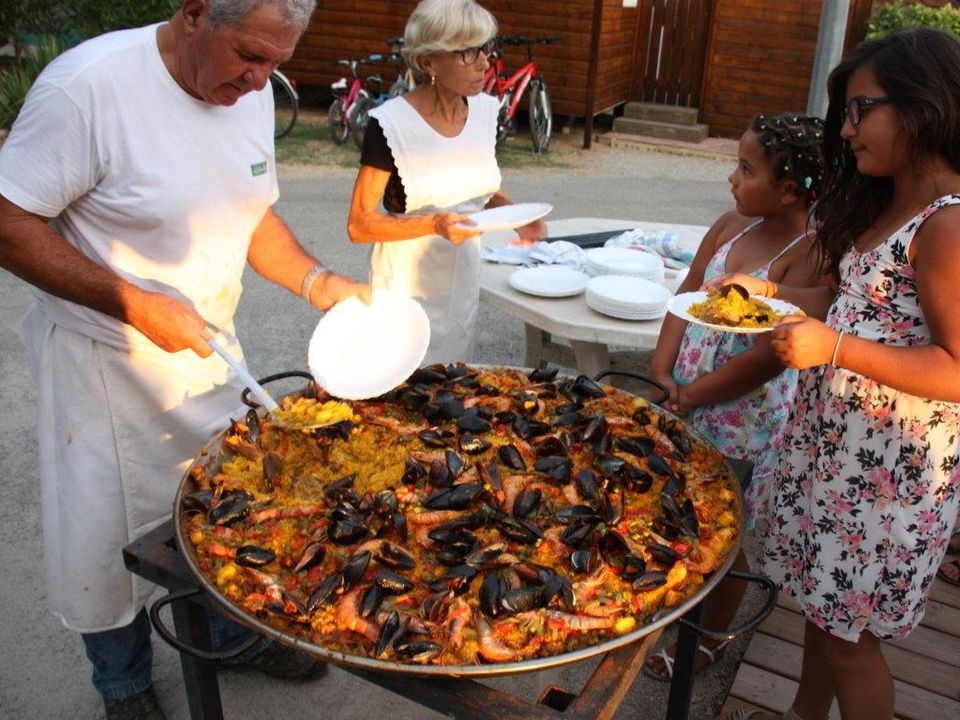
x=438 y=25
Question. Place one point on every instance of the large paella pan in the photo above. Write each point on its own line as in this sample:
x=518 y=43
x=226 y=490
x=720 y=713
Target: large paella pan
x=474 y=520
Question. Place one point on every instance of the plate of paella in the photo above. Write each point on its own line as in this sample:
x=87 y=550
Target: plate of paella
x=473 y=520
x=730 y=309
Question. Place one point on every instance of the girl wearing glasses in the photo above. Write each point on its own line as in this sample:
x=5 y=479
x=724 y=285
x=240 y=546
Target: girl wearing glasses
x=427 y=161
x=867 y=488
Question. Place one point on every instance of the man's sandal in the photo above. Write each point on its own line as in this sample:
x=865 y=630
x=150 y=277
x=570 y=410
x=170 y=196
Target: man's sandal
x=712 y=657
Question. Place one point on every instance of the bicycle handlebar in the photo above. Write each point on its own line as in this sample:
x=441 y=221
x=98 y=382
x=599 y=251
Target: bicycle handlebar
x=523 y=40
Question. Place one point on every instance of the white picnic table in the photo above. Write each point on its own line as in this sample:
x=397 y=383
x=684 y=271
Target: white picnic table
x=589 y=333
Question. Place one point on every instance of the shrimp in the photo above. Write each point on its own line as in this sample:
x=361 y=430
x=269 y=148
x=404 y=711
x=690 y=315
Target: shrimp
x=702 y=560
x=219 y=550
x=580 y=623
x=348 y=616
x=490 y=650
x=495 y=403
x=458 y=616
x=287 y=513
x=513 y=485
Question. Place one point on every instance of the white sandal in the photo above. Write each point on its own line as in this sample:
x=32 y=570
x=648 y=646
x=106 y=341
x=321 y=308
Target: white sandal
x=668 y=660
x=742 y=713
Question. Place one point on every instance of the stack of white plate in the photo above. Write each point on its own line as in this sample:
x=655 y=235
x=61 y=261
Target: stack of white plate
x=627 y=298
x=624 y=261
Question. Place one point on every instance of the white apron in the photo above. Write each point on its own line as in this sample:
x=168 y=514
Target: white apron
x=457 y=174
x=167 y=194
x=108 y=481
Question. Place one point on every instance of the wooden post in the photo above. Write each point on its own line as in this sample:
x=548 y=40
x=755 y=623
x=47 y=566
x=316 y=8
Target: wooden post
x=592 y=73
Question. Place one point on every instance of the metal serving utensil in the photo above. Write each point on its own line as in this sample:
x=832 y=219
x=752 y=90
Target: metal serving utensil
x=261 y=392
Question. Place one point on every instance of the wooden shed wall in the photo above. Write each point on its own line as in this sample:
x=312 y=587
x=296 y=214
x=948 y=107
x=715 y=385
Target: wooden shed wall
x=760 y=58
x=355 y=28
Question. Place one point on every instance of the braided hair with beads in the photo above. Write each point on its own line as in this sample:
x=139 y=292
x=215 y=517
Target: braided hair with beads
x=794 y=146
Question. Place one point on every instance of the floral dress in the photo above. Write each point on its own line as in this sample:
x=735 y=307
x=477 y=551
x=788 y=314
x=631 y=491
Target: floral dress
x=866 y=493
x=750 y=427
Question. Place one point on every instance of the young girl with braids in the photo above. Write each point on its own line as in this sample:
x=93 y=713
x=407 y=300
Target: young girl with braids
x=867 y=489
x=730 y=386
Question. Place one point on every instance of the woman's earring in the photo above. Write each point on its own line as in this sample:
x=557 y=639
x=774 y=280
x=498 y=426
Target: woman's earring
x=433 y=79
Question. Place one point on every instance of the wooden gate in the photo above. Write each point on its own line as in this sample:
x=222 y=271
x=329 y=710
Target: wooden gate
x=671 y=48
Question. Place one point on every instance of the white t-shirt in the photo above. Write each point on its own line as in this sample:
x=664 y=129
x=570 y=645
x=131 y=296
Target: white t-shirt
x=162 y=188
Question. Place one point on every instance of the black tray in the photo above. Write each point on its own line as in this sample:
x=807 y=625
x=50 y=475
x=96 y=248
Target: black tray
x=590 y=240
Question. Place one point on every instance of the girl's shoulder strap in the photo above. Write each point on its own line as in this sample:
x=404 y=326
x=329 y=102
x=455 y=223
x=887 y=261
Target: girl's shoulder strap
x=743 y=232
x=788 y=246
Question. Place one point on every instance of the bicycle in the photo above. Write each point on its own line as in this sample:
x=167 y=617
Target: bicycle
x=373 y=97
x=405 y=81
x=343 y=108
x=286 y=104
x=510 y=91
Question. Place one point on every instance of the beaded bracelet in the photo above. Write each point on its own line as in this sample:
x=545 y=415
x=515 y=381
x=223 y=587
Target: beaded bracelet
x=307 y=285
x=836 y=349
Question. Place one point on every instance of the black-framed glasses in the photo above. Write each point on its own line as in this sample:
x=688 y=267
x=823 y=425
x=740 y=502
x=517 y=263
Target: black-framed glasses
x=468 y=56
x=854 y=109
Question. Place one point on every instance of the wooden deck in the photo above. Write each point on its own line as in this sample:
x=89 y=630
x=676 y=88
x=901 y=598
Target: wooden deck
x=925 y=666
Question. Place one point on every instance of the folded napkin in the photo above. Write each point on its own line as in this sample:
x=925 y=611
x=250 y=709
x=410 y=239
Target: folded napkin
x=663 y=243
x=559 y=252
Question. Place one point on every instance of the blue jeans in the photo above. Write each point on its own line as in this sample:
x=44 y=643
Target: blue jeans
x=123 y=657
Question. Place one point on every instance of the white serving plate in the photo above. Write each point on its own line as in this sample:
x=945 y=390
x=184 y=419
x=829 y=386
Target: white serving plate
x=548 y=281
x=361 y=351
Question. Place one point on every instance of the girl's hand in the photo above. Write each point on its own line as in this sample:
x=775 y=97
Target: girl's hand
x=529 y=234
x=666 y=379
x=683 y=407
x=754 y=286
x=448 y=225
x=802 y=342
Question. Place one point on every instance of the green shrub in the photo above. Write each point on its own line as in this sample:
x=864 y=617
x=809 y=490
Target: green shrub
x=93 y=17
x=15 y=82
x=898 y=15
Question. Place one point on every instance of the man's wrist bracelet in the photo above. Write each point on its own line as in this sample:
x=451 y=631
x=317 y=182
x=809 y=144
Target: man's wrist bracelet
x=312 y=274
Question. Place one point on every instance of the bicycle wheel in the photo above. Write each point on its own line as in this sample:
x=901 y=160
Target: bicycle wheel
x=505 y=123
x=541 y=116
x=359 y=118
x=339 y=130
x=399 y=87
x=285 y=105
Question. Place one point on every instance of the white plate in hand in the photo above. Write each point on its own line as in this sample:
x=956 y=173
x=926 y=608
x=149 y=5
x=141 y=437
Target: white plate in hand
x=680 y=304
x=506 y=217
x=361 y=351
x=551 y=281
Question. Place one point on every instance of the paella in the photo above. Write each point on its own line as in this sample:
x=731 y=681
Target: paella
x=472 y=515
x=733 y=306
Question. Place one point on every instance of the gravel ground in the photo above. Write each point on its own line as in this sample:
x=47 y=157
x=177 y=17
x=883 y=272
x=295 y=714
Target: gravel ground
x=43 y=672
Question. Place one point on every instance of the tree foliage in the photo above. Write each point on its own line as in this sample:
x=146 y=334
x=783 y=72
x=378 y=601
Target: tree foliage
x=895 y=16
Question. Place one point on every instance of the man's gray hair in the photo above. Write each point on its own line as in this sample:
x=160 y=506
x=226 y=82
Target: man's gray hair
x=232 y=12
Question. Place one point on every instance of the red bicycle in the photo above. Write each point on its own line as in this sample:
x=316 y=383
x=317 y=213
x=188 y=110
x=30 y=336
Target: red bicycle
x=510 y=90
x=350 y=98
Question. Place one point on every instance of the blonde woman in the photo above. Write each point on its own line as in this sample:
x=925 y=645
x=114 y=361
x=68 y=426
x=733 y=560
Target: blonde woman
x=427 y=161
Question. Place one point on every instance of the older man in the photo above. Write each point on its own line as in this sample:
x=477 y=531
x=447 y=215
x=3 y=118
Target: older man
x=135 y=184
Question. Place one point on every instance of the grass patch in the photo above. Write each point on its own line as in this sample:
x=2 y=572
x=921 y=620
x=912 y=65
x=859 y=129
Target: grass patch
x=309 y=143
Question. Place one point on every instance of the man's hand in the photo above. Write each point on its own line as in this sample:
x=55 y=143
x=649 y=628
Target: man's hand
x=167 y=322
x=330 y=288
